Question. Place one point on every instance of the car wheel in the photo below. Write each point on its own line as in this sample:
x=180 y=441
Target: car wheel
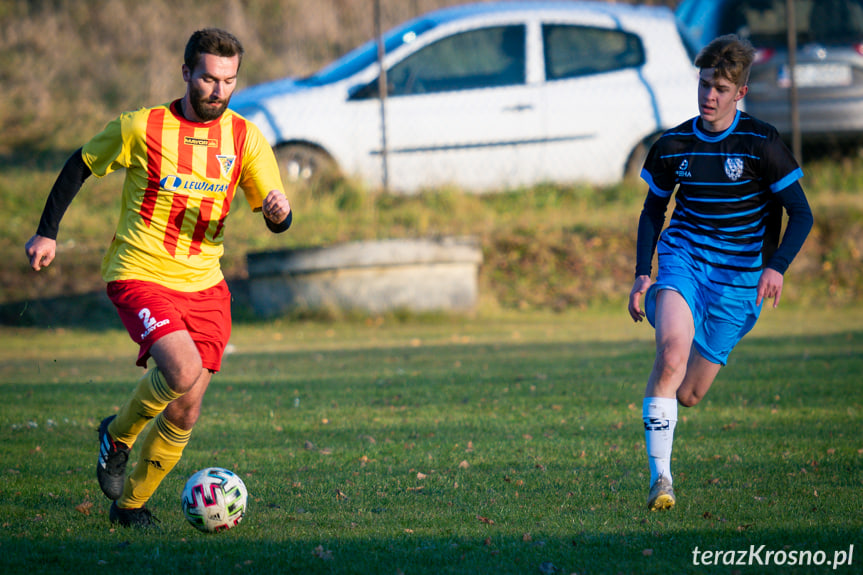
x=305 y=166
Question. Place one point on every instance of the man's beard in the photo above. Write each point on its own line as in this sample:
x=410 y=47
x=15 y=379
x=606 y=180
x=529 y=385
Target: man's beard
x=202 y=110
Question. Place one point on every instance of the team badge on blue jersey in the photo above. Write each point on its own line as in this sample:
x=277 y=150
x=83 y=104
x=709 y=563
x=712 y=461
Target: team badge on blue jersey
x=733 y=168
x=227 y=163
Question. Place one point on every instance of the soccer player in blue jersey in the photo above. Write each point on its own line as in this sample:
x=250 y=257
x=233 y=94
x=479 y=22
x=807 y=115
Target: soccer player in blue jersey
x=720 y=257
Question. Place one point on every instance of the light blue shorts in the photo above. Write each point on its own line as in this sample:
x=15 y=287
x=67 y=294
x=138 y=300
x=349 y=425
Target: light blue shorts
x=720 y=322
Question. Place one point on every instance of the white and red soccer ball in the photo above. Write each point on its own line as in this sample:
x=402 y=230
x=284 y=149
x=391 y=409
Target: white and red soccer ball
x=214 y=499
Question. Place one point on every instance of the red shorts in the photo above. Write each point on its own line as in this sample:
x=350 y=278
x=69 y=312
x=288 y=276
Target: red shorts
x=150 y=311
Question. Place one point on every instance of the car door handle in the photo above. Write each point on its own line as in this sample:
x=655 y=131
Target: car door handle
x=518 y=108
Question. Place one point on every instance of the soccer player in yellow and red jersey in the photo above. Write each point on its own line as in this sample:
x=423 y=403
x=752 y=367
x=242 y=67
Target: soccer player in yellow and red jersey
x=183 y=164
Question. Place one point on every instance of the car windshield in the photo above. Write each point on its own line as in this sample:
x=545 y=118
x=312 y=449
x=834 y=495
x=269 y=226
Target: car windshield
x=828 y=22
x=367 y=54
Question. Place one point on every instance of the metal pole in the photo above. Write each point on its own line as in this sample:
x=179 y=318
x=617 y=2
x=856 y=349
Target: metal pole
x=796 y=143
x=382 y=96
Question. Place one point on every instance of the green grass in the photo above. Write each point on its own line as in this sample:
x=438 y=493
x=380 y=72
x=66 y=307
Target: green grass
x=484 y=445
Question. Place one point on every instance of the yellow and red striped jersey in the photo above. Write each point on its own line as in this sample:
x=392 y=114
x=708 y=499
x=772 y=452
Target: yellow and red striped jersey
x=181 y=178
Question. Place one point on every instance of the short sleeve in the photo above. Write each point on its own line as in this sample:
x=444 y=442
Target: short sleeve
x=105 y=152
x=656 y=172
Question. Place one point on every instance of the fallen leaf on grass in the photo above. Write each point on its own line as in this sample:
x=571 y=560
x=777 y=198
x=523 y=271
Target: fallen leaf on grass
x=527 y=537
x=421 y=475
x=321 y=553
x=647 y=552
x=485 y=520
x=340 y=494
x=463 y=465
x=84 y=507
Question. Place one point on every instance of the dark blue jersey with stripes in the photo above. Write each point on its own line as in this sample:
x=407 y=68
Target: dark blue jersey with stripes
x=725 y=208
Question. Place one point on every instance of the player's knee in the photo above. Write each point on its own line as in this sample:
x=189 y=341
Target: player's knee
x=182 y=377
x=670 y=362
x=688 y=399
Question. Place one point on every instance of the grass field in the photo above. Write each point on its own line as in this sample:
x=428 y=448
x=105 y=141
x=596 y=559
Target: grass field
x=505 y=444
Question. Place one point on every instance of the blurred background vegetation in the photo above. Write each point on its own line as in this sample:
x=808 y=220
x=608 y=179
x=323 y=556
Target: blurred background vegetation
x=70 y=66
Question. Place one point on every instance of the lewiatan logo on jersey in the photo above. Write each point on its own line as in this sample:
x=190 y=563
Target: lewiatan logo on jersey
x=176 y=183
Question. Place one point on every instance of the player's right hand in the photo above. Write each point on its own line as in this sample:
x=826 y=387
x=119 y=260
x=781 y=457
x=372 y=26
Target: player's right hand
x=41 y=251
x=639 y=288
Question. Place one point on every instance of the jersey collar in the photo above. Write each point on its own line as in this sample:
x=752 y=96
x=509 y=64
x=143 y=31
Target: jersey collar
x=714 y=136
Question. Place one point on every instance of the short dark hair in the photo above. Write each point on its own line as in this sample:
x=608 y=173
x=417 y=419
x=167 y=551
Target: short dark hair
x=212 y=41
x=730 y=57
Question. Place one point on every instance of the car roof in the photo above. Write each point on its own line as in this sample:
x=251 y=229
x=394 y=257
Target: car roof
x=465 y=11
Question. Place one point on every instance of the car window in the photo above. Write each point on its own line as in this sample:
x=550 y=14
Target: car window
x=763 y=22
x=572 y=51
x=483 y=58
x=367 y=54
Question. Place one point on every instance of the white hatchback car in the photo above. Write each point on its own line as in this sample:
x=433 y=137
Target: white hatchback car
x=487 y=97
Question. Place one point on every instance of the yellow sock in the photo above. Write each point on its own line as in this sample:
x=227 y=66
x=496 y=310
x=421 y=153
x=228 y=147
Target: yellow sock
x=151 y=397
x=162 y=448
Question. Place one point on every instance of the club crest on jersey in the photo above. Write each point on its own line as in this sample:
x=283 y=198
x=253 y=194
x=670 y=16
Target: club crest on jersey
x=227 y=163
x=683 y=170
x=733 y=168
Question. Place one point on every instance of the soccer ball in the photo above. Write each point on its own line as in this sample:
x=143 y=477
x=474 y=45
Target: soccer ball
x=214 y=499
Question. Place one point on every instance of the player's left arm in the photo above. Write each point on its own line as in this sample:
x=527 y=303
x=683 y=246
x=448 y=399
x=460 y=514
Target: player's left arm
x=277 y=211
x=800 y=222
x=260 y=173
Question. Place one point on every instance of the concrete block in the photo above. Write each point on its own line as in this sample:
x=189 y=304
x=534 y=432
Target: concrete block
x=370 y=276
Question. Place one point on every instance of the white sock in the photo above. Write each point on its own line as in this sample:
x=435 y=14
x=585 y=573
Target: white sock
x=660 y=417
